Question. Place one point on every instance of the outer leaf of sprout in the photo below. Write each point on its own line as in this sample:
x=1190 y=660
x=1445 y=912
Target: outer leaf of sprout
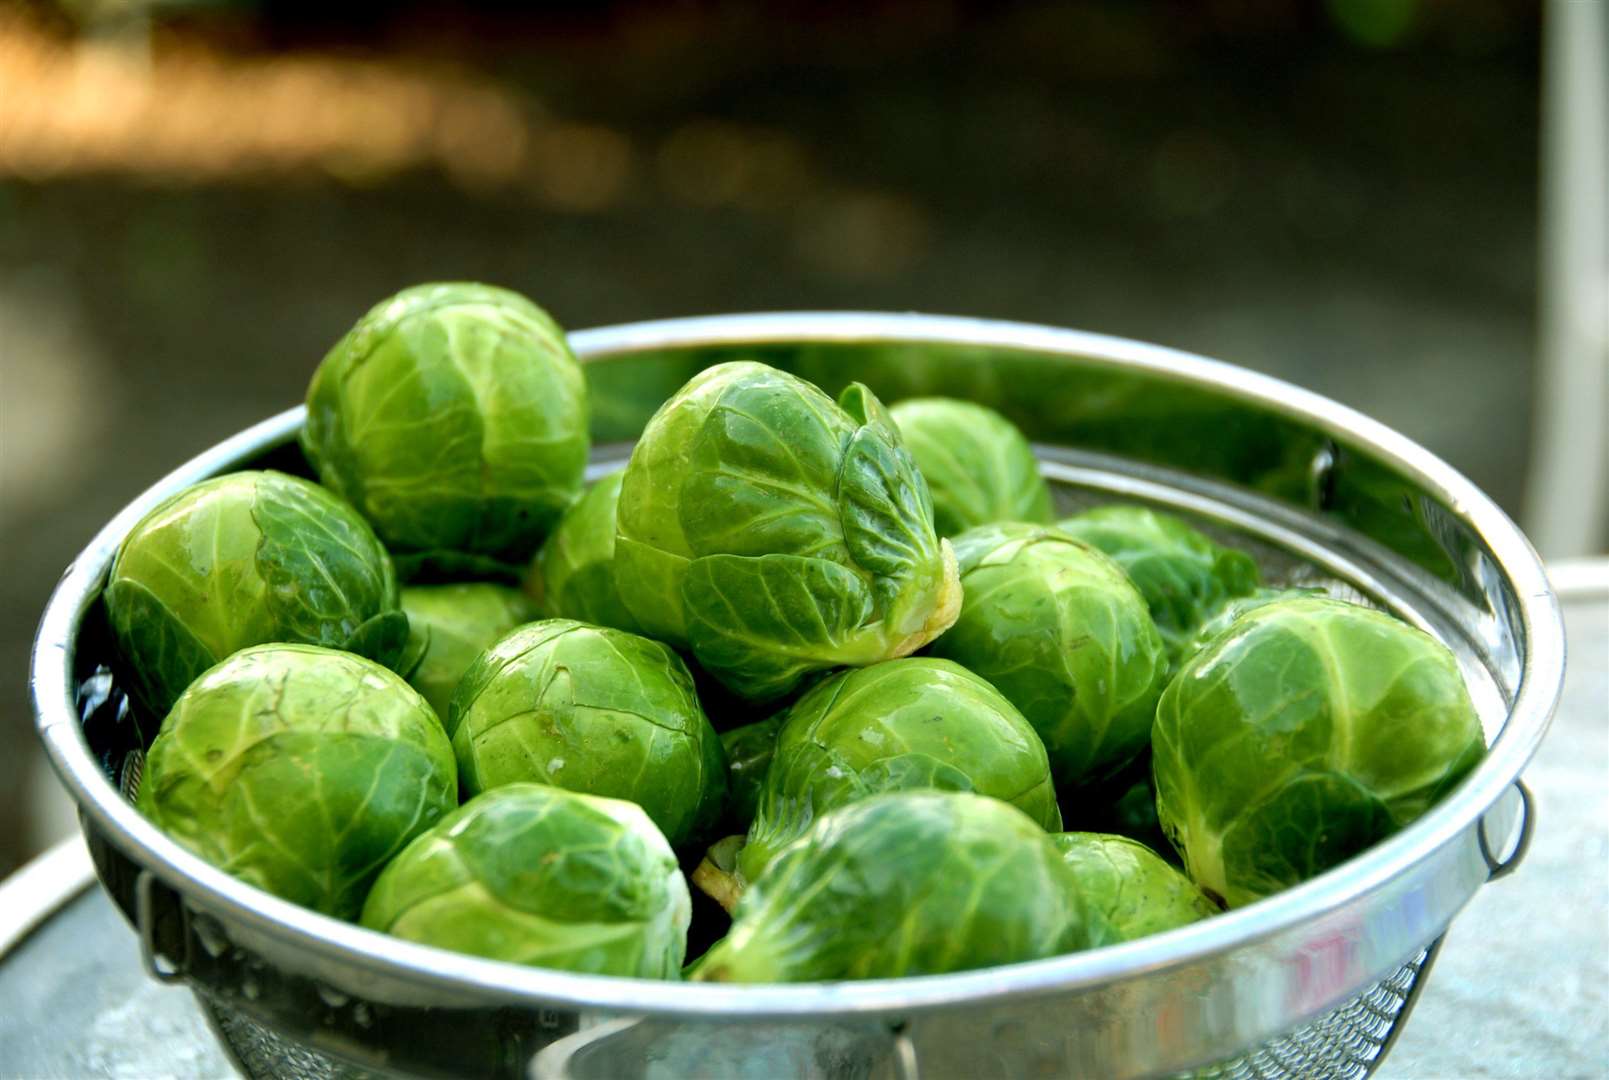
x=534 y=874
x=776 y=533
x=651 y=549
x=1225 y=616
x=1057 y=627
x=454 y=624
x=1302 y=734
x=594 y=710
x=1131 y=885
x=243 y=559
x=907 y=883
x=978 y=466
x=749 y=750
x=454 y=417
x=299 y=770
x=899 y=725
x=574 y=576
x=1184 y=577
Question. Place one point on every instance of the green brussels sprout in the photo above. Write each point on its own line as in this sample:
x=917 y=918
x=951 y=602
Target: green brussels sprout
x=1309 y=732
x=775 y=533
x=1058 y=629
x=574 y=576
x=534 y=874
x=907 y=883
x=1184 y=577
x=454 y=416
x=299 y=770
x=895 y=726
x=594 y=710
x=976 y=463
x=244 y=559
x=749 y=750
x=1231 y=610
x=451 y=625
x=1131 y=886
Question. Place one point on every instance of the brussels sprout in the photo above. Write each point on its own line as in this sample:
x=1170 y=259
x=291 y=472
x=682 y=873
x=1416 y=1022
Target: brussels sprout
x=749 y=750
x=1225 y=616
x=976 y=463
x=244 y=559
x=1056 y=626
x=908 y=883
x=454 y=416
x=450 y=625
x=574 y=576
x=775 y=533
x=1184 y=577
x=1131 y=886
x=902 y=724
x=594 y=710
x=534 y=874
x=1310 y=731
x=299 y=770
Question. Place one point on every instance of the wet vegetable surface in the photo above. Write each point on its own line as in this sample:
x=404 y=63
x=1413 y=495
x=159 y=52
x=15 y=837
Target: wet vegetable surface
x=899 y=725
x=454 y=417
x=538 y=875
x=775 y=533
x=978 y=466
x=593 y=710
x=1058 y=628
x=1306 y=732
x=909 y=883
x=300 y=770
x=451 y=625
x=243 y=559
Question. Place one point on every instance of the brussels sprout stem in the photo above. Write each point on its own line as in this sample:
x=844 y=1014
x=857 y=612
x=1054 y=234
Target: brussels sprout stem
x=946 y=607
x=717 y=876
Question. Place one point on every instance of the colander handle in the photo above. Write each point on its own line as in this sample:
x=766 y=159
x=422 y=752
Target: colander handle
x=564 y=1059
x=555 y=1060
x=1500 y=867
x=156 y=908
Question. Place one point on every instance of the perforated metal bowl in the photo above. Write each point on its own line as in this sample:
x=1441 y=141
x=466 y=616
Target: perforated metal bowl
x=1309 y=982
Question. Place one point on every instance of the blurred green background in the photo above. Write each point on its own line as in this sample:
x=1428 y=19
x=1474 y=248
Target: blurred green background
x=197 y=199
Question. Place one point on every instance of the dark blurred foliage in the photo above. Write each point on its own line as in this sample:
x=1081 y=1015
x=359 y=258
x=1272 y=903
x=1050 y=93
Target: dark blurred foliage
x=196 y=199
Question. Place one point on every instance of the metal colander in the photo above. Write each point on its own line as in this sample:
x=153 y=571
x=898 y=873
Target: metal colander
x=1310 y=982
x=1346 y=1044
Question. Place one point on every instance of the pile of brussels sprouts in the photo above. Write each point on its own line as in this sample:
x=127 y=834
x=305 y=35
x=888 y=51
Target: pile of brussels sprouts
x=835 y=663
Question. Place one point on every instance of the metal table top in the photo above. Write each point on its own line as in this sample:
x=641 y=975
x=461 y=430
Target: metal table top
x=1520 y=990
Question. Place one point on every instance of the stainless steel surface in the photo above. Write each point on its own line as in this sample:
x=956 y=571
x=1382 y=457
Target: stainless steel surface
x=1344 y=1043
x=631 y=1048
x=1299 y=473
